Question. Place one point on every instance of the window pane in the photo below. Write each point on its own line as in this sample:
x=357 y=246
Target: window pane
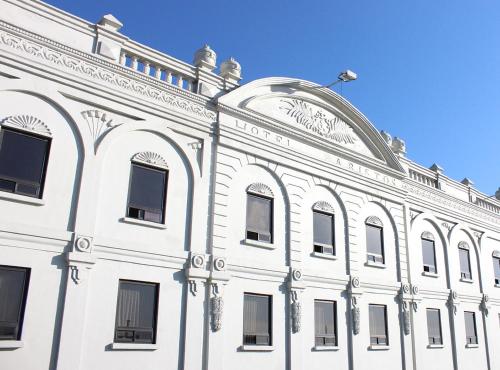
x=464 y=262
x=377 y=321
x=496 y=268
x=428 y=254
x=470 y=327
x=323 y=228
x=147 y=188
x=259 y=214
x=434 y=325
x=374 y=240
x=13 y=282
x=22 y=158
x=136 y=311
x=324 y=317
x=256 y=320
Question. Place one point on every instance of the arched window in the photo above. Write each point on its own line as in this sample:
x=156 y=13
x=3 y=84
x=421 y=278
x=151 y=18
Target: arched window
x=148 y=187
x=428 y=252
x=323 y=228
x=24 y=152
x=259 y=223
x=374 y=240
x=465 y=270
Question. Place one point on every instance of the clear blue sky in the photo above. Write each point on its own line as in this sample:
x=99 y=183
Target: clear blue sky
x=429 y=71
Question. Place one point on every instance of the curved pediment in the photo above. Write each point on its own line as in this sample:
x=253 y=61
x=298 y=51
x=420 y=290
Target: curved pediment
x=317 y=114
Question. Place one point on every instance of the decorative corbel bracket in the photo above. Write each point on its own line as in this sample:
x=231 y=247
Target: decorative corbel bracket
x=217 y=305
x=485 y=304
x=355 y=293
x=453 y=301
x=196 y=272
x=295 y=286
x=409 y=300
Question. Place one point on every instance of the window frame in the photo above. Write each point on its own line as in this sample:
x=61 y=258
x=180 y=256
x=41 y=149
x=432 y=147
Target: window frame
x=271 y=219
x=464 y=275
x=41 y=185
x=269 y=322
x=335 y=327
x=164 y=194
x=24 y=299
x=375 y=258
x=432 y=340
x=496 y=259
x=471 y=339
x=377 y=338
x=424 y=265
x=320 y=247
x=134 y=329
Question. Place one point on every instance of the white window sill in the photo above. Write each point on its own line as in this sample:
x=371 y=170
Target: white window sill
x=135 y=221
x=256 y=243
x=377 y=347
x=325 y=348
x=21 y=198
x=435 y=346
x=323 y=255
x=466 y=280
x=430 y=274
x=253 y=348
x=375 y=264
x=470 y=345
x=11 y=344
x=134 y=346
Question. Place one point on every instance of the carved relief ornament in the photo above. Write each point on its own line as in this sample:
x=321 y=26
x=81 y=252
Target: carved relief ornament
x=27 y=123
x=151 y=158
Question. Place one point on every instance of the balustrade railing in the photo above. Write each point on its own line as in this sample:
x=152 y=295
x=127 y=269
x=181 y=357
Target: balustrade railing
x=424 y=179
x=162 y=71
x=486 y=204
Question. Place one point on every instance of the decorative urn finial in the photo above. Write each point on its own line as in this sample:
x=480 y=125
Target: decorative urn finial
x=231 y=70
x=205 y=58
x=387 y=137
x=398 y=146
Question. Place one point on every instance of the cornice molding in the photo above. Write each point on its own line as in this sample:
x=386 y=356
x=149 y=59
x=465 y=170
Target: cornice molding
x=67 y=59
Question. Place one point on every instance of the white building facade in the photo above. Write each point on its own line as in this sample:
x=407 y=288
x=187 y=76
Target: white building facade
x=158 y=215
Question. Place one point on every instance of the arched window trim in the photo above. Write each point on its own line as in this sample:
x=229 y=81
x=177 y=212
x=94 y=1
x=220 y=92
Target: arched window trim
x=150 y=159
x=463 y=245
x=496 y=254
x=261 y=189
x=428 y=236
x=323 y=206
x=374 y=220
x=29 y=124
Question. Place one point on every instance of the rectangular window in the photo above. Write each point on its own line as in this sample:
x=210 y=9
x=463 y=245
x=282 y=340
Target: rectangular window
x=259 y=218
x=23 y=162
x=136 y=312
x=378 y=325
x=325 y=322
x=147 y=193
x=429 y=255
x=434 y=326
x=13 y=292
x=323 y=229
x=464 y=263
x=257 y=319
x=375 y=243
x=470 y=327
x=496 y=269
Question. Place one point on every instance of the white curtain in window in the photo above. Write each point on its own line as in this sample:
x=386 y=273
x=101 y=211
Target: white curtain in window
x=324 y=318
x=377 y=321
x=128 y=307
x=433 y=323
x=255 y=312
x=258 y=214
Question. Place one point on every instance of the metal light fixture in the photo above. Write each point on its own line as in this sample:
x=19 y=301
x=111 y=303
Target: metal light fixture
x=346 y=76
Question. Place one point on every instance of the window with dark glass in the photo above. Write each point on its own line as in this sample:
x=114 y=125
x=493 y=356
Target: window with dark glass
x=257 y=319
x=259 y=218
x=496 y=269
x=136 y=312
x=323 y=230
x=429 y=255
x=325 y=323
x=378 y=324
x=148 y=187
x=465 y=272
x=375 y=243
x=13 y=291
x=470 y=327
x=23 y=162
x=434 y=326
